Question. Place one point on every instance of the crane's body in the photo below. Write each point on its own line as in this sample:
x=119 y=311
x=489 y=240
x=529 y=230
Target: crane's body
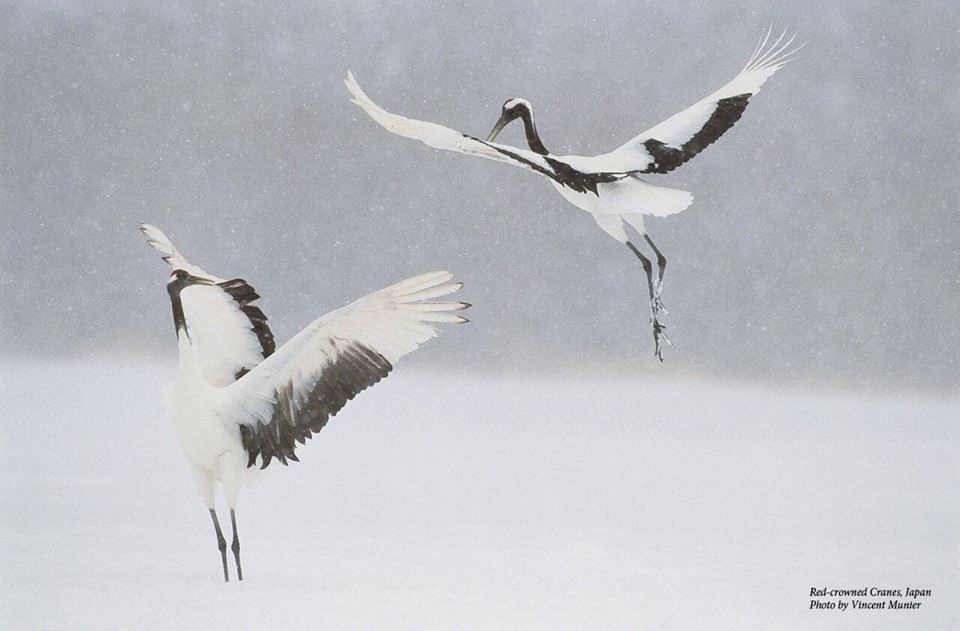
x=238 y=401
x=213 y=447
x=609 y=186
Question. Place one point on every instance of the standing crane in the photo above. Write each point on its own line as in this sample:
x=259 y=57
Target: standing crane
x=239 y=401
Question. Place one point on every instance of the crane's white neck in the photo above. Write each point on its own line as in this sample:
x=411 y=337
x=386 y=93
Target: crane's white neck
x=190 y=370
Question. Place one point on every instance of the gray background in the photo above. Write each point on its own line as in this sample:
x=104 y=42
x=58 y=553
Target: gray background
x=822 y=244
x=536 y=468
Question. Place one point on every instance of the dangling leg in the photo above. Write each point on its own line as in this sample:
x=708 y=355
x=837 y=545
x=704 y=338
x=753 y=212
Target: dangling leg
x=221 y=543
x=661 y=267
x=614 y=226
x=654 y=310
x=647 y=267
x=236 y=545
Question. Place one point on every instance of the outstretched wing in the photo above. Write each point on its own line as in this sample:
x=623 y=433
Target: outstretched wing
x=441 y=137
x=230 y=333
x=291 y=395
x=682 y=136
x=162 y=244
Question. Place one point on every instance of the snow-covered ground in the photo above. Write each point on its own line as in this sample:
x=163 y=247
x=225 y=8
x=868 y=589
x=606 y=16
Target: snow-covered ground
x=498 y=502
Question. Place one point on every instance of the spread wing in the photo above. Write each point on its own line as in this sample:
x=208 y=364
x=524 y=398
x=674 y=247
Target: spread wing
x=441 y=137
x=682 y=136
x=292 y=394
x=230 y=332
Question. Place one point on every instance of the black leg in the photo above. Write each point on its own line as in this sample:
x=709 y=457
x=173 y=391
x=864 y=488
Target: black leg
x=647 y=267
x=236 y=545
x=221 y=543
x=661 y=268
x=654 y=307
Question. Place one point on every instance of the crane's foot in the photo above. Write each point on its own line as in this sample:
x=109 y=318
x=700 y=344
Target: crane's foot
x=657 y=304
x=659 y=336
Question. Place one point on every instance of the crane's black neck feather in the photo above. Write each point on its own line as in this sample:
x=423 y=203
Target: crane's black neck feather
x=530 y=128
x=174 y=288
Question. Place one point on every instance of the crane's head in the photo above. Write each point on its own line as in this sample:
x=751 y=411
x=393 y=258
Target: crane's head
x=180 y=279
x=512 y=109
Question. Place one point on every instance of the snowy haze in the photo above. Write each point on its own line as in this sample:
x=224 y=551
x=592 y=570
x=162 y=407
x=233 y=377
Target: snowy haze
x=486 y=503
x=537 y=467
x=823 y=241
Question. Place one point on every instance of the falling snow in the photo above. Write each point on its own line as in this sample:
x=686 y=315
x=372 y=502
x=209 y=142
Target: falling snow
x=536 y=467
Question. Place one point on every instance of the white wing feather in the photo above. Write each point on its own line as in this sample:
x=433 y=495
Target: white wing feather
x=631 y=157
x=681 y=127
x=441 y=137
x=221 y=333
x=224 y=336
x=391 y=322
x=162 y=244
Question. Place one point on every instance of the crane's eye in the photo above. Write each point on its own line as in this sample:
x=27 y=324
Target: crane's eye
x=182 y=275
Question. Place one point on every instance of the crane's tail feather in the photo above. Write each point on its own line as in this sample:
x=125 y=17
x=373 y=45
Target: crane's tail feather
x=663 y=201
x=635 y=196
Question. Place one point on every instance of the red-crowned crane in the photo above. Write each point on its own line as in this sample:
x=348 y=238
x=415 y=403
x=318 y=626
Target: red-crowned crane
x=610 y=186
x=238 y=401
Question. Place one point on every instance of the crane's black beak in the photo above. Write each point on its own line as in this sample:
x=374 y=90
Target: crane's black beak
x=498 y=127
x=191 y=280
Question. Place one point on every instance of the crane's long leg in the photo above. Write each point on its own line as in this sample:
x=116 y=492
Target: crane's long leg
x=647 y=267
x=221 y=543
x=661 y=267
x=654 y=308
x=235 y=546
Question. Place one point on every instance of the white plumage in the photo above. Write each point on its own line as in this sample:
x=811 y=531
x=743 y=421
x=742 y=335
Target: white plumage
x=391 y=322
x=162 y=244
x=609 y=185
x=221 y=334
x=221 y=329
x=237 y=403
